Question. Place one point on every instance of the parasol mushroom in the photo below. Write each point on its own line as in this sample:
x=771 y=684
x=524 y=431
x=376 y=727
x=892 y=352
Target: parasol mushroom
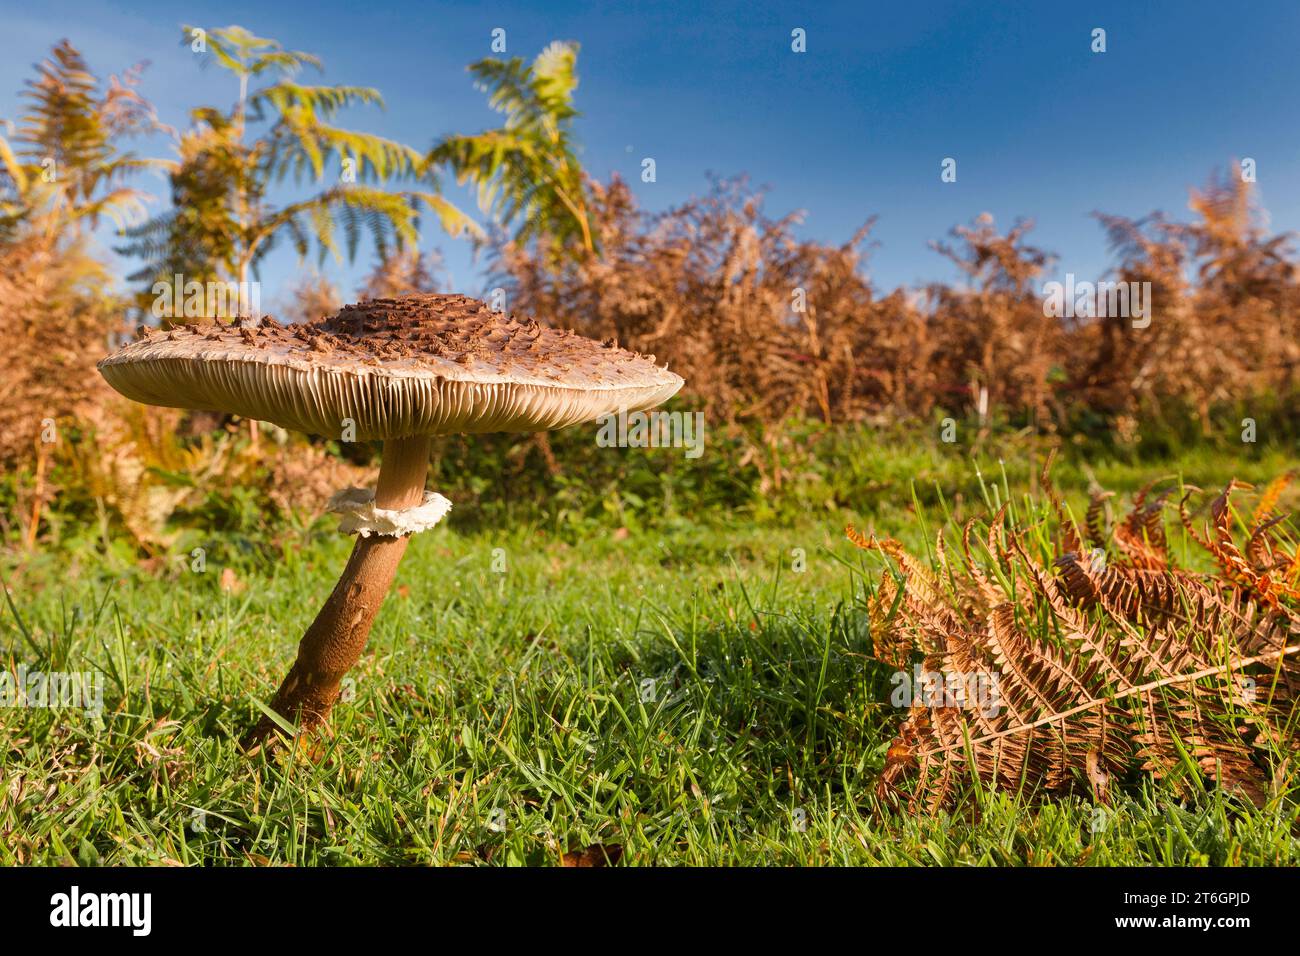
x=398 y=371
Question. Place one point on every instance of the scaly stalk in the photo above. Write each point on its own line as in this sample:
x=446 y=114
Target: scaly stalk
x=335 y=640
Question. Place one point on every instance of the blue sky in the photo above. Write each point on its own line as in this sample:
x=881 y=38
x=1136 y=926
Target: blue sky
x=858 y=125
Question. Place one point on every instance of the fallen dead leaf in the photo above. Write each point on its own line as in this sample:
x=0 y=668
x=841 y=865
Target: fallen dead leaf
x=1098 y=777
x=598 y=854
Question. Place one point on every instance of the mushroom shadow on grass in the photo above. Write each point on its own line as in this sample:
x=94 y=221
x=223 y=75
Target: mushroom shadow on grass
x=395 y=370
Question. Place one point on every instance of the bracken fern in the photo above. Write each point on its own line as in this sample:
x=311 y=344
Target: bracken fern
x=1108 y=662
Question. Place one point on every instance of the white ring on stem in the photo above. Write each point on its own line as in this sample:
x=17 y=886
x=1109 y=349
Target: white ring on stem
x=360 y=516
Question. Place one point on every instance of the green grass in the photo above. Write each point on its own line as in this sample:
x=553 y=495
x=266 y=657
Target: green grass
x=504 y=718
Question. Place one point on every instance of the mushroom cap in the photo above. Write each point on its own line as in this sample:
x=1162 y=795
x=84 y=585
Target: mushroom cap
x=414 y=365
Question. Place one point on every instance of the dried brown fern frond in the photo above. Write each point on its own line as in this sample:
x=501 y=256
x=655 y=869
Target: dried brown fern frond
x=1271 y=495
x=1059 y=671
x=1094 y=521
x=1141 y=536
x=1069 y=529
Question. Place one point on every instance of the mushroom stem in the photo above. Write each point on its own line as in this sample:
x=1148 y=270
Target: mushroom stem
x=337 y=637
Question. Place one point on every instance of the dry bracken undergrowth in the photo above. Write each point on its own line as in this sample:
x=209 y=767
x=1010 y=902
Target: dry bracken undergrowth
x=1107 y=662
x=764 y=324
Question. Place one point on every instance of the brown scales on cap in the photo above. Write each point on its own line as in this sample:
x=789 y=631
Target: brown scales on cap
x=416 y=365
